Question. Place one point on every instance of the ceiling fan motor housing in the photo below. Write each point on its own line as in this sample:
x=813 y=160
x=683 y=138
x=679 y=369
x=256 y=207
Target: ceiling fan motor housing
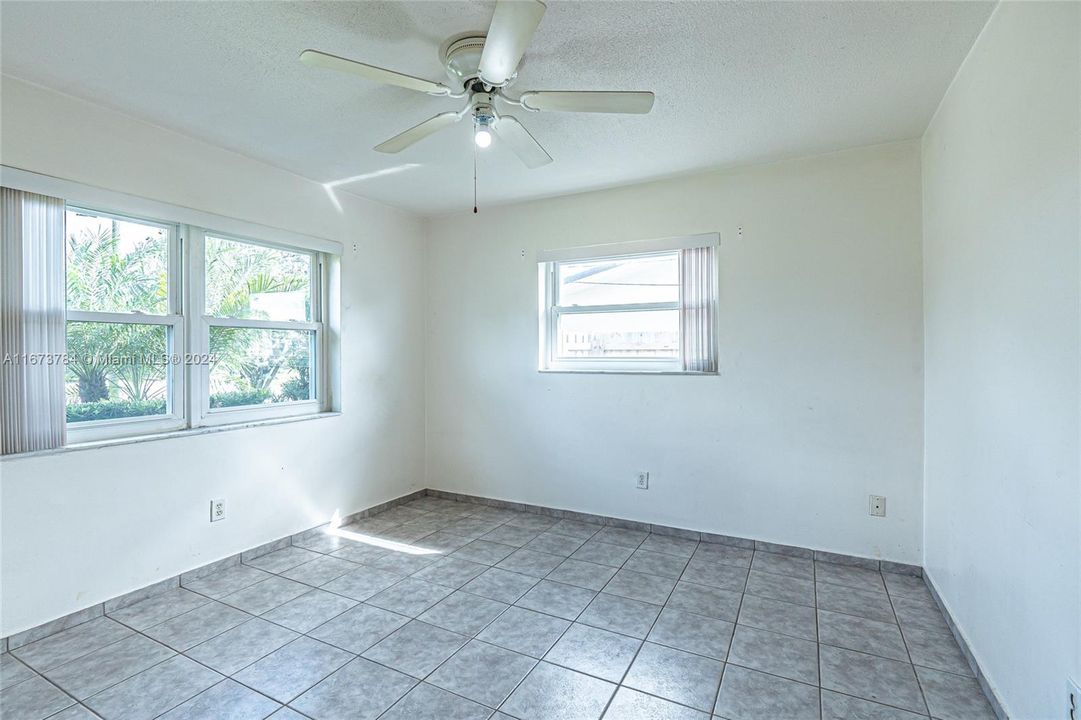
x=462 y=60
x=483 y=114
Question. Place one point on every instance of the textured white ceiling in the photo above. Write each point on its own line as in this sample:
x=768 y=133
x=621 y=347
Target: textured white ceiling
x=736 y=82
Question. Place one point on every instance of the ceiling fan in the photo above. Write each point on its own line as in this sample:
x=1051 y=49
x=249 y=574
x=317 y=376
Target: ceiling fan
x=481 y=68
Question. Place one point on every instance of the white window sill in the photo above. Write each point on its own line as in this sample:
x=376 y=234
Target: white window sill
x=187 y=432
x=561 y=371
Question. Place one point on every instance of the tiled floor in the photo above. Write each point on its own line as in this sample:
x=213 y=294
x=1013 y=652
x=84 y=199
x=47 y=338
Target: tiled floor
x=495 y=614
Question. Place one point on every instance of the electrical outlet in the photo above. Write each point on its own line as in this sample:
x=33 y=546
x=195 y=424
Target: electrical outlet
x=217 y=509
x=643 y=481
x=878 y=505
x=1073 y=699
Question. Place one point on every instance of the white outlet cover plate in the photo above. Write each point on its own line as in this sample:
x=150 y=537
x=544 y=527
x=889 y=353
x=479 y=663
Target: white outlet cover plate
x=878 y=506
x=217 y=510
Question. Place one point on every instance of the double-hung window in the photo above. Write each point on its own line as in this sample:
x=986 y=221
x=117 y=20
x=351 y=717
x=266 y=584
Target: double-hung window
x=124 y=325
x=261 y=329
x=630 y=307
x=171 y=325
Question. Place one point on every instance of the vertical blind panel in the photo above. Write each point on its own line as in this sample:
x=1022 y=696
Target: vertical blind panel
x=32 y=307
x=697 y=321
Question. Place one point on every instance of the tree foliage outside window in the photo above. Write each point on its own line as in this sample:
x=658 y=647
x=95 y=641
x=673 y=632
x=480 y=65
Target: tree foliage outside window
x=254 y=366
x=259 y=366
x=116 y=370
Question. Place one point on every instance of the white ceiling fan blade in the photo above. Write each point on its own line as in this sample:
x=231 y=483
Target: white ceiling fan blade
x=371 y=72
x=513 y=25
x=514 y=134
x=598 y=102
x=416 y=134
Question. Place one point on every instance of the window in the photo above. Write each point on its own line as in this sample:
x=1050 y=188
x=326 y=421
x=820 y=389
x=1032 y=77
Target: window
x=630 y=308
x=123 y=316
x=263 y=333
x=250 y=347
x=123 y=323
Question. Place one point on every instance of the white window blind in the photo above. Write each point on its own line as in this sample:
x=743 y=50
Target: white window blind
x=32 y=303
x=697 y=324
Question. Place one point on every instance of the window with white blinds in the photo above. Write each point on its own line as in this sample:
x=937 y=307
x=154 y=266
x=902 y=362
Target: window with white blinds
x=127 y=317
x=635 y=307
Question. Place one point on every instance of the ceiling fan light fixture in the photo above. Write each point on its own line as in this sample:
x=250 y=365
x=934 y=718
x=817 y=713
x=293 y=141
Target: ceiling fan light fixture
x=482 y=133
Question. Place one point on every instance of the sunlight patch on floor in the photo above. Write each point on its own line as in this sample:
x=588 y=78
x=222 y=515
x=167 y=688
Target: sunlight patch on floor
x=379 y=542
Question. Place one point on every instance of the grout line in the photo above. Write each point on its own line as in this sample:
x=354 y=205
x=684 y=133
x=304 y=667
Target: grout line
x=908 y=652
x=74 y=699
x=305 y=634
x=652 y=625
x=475 y=637
x=271 y=652
x=570 y=623
x=229 y=677
x=818 y=640
x=818 y=632
x=134 y=632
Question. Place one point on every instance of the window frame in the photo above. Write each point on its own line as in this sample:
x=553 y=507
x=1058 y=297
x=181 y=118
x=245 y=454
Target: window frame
x=188 y=335
x=200 y=324
x=173 y=320
x=550 y=361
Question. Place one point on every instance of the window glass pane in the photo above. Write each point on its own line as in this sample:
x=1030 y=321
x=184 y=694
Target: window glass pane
x=259 y=367
x=116 y=370
x=642 y=279
x=256 y=282
x=647 y=334
x=116 y=265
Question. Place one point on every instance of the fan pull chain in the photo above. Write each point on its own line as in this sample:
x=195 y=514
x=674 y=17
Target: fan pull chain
x=474 y=178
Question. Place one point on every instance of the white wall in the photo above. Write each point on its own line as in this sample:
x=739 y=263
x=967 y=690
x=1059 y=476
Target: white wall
x=1001 y=237
x=819 y=400
x=71 y=522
